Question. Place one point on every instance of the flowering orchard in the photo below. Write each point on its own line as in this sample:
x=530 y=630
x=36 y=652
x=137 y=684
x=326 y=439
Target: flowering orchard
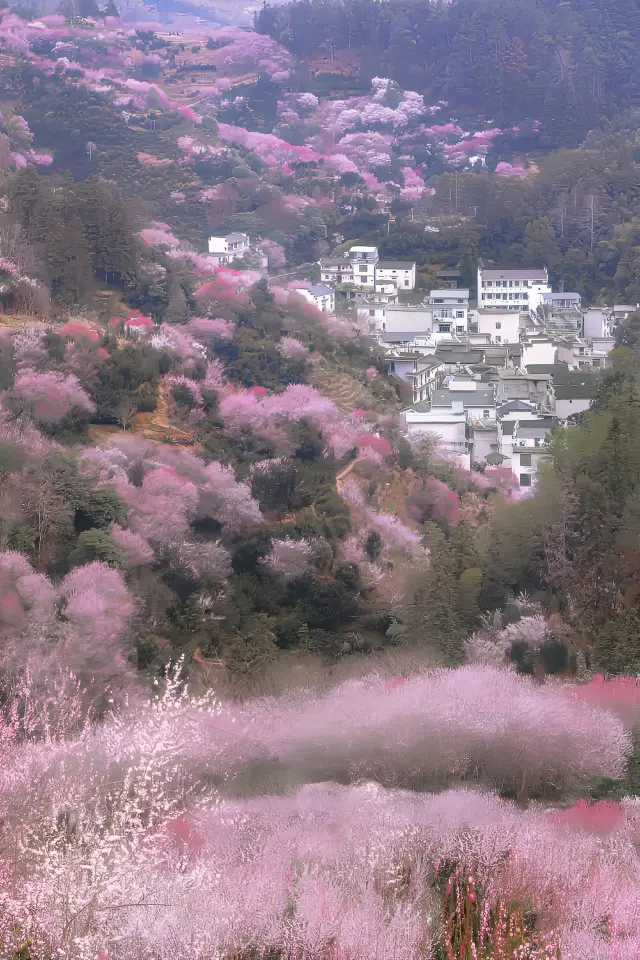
x=135 y=844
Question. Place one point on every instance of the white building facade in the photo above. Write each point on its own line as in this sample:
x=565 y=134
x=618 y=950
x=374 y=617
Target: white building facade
x=400 y=272
x=521 y=289
x=501 y=326
x=450 y=310
x=228 y=248
x=364 y=261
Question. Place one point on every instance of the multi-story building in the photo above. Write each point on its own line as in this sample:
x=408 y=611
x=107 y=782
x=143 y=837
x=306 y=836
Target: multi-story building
x=336 y=270
x=529 y=444
x=405 y=317
x=319 y=296
x=400 y=272
x=229 y=248
x=561 y=300
x=521 y=289
x=362 y=268
x=450 y=310
x=422 y=374
x=447 y=425
x=500 y=325
x=364 y=261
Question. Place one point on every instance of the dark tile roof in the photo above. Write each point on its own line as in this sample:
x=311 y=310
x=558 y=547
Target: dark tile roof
x=520 y=273
x=395 y=264
x=484 y=397
x=584 y=389
x=553 y=368
x=320 y=290
x=515 y=406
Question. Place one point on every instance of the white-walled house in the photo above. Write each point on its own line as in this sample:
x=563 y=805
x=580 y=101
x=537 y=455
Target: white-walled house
x=574 y=397
x=537 y=349
x=597 y=324
x=422 y=373
x=447 y=426
x=336 y=270
x=407 y=318
x=371 y=314
x=364 y=261
x=400 y=272
x=529 y=445
x=230 y=247
x=502 y=326
x=450 y=310
x=519 y=289
x=476 y=399
x=561 y=300
x=320 y=296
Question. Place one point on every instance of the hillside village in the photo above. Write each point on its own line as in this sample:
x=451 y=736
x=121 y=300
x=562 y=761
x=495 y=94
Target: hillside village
x=489 y=377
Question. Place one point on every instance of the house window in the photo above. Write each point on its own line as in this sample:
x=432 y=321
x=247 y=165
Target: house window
x=406 y=283
x=525 y=459
x=363 y=269
x=525 y=479
x=510 y=283
x=372 y=313
x=485 y=414
x=516 y=283
x=444 y=328
x=498 y=325
x=459 y=329
x=459 y=313
x=489 y=283
x=498 y=339
x=460 y=301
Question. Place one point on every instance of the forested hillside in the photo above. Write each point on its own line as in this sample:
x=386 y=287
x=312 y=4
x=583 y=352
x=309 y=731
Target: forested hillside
x=568 y=64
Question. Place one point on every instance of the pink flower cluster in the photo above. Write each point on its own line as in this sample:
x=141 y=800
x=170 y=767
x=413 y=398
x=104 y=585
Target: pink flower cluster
x=49 y=397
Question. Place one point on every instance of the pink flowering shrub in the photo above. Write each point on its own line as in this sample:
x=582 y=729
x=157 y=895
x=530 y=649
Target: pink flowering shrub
x=435 y=501
x=351 y=492
x=159 y=236
x=77 y=331
x=148 y=160
x=373 y=441
x=510 y=170
x=414 y=185
x=275 y=253
x=395 y=535
x=446 y=740
x=185 y=384
x=320 y=867
x=136 y=550
x=206 y=562
x=163 y=507
x=290 y=557
x=290 y=347
x=28 y=347
x=601 y=817
x=26 y=598
x=97 y=600
x=621 y=695
x=208 y=329
x=50 y=397
x=296 y=402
